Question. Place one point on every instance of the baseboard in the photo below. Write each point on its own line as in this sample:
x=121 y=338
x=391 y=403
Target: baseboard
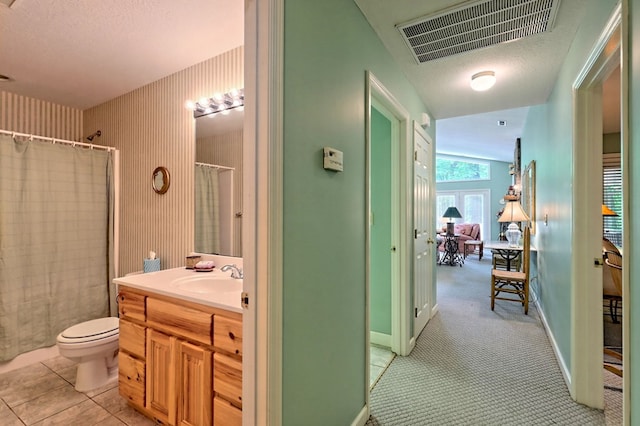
x=566 y=374
x=380 y=339
x=362 y=417
x=434 y=310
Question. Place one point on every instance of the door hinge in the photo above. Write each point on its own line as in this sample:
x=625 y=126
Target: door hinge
x=416 y=313
x=244 y=300
x=415 y=234
x=415 y=155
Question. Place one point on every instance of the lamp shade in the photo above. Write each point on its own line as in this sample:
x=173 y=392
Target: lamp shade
x=513 y=213
x=606 y=211
x=452 y=212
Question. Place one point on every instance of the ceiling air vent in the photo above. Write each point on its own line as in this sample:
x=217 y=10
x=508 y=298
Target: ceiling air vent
x=476 y=25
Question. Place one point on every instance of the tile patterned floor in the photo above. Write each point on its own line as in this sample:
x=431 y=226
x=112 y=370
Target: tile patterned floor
x=43 y=394
x=379 y=360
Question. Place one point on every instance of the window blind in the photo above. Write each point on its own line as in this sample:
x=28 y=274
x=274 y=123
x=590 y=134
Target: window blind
x=612 y=197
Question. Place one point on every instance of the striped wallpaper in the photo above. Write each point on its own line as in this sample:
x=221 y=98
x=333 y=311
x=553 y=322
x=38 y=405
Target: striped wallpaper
x=36 y=117
x=151 y=127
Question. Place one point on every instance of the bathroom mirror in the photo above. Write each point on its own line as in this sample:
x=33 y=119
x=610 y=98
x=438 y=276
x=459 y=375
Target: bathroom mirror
x=218 y=183
x=160 y=180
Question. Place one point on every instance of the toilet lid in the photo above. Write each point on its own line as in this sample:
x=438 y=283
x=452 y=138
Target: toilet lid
x=103 y=327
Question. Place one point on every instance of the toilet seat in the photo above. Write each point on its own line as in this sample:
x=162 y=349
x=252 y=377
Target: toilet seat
x=88 y=331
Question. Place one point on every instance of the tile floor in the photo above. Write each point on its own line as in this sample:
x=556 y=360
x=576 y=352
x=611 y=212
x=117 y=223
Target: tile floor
x=379 y=360
x=43 y=394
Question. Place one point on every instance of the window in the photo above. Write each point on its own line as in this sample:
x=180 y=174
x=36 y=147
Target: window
x=473 y=206
x=451 y=169
x=612 y=197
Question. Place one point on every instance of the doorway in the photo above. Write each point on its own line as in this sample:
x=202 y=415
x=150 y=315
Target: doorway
x=383 y=214
x=587 y=323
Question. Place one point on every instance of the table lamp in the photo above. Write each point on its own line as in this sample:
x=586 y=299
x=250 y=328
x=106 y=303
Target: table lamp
x=451 y=213
x=513 y=213
x=606 y=211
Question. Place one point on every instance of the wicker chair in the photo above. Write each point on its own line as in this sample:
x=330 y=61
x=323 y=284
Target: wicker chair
x=613 y=259
x=499 y=262
x=514 y=282
x=610 y=290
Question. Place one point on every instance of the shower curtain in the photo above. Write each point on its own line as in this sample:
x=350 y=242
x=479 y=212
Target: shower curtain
x=207 y=215
x=56 y=236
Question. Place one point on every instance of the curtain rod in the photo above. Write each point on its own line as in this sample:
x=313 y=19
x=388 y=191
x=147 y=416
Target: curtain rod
x=215 y=166
x=55 y=141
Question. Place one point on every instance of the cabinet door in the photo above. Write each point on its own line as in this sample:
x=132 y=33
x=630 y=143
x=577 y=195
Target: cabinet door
x=194 y=379
x=132 y=338
x=161 y=392
x=131 y=378
x=227 y=378
x=225 y=414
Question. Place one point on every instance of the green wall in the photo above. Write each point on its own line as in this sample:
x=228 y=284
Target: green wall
x=498 y=185
x=328 y=46
x=380 y=267
x=547 y=138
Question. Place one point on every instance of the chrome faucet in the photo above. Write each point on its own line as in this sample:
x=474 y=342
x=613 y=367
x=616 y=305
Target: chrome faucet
x=235 y=271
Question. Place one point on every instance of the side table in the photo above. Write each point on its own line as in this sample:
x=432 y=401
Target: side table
x=470 y=248
x=451 y=256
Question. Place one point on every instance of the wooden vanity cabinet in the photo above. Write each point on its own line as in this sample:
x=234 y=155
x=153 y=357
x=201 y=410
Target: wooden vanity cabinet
x=160 y=383
x=181 y=362
x=131 y=354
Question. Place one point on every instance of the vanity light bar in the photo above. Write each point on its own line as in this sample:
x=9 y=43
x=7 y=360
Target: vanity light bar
x=217 y=103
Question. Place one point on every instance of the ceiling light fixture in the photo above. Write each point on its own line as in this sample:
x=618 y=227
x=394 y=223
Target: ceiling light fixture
x=483 y=80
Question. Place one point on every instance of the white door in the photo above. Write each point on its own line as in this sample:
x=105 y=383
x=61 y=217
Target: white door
x=423 y=229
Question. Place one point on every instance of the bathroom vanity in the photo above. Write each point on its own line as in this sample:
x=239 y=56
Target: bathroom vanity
x=180 y=358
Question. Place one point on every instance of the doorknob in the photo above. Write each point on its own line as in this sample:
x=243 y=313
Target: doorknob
x=393 y=248
x=430 y=241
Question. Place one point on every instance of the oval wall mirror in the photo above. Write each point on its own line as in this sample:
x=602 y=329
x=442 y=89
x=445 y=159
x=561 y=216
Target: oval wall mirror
x=160 y=180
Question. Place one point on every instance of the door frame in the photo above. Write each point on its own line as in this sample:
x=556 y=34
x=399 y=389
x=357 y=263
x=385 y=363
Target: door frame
x=585 y=378
x=402 y=341
x=393 y=339
x=262 y=235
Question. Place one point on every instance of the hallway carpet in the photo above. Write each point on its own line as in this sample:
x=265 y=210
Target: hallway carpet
x=472 y=366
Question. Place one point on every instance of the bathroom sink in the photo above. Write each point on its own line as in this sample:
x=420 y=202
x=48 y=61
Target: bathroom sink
x=204 y=284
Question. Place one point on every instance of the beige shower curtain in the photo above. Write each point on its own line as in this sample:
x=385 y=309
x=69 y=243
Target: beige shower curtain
x=56 y=235
x=207 y=214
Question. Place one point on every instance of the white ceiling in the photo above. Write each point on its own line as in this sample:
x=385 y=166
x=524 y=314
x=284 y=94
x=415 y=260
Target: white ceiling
x=81 y=53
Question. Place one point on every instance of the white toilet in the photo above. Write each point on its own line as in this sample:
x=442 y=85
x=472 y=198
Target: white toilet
x=94 y=346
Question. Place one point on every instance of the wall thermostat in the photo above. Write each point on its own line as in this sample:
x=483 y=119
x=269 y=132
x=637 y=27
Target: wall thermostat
x=332 y=159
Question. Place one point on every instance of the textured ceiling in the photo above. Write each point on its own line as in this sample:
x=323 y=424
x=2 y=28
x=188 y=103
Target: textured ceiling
x=526 y=70
x=81 y=53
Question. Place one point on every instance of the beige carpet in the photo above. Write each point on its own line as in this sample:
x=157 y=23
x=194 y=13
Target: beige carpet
x=472 y=366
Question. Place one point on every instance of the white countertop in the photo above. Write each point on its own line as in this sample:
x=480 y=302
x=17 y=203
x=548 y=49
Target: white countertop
x=162 y=282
